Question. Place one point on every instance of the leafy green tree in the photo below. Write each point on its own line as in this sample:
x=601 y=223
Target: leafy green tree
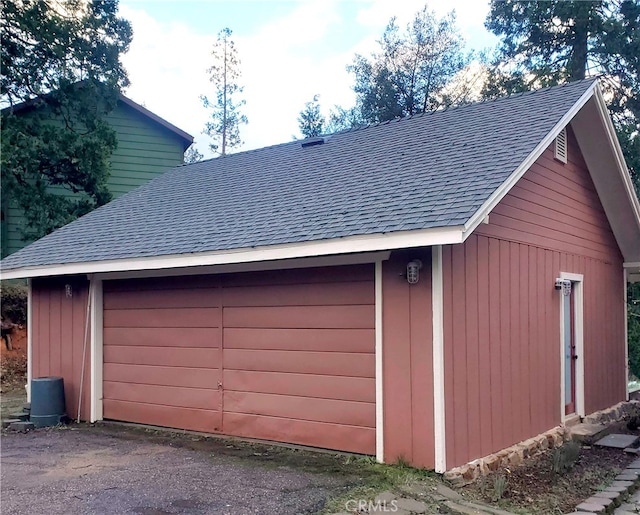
x=310 y=120
x=61 y=73
x=410 y=68
x=193 y=155
x=544 y=43
x=551 y=42
x=226 y=116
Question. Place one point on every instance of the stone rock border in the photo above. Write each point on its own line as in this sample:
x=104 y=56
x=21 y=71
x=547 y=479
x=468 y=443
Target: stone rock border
x=618 y=412
x=608 y=499
x=509 y=457
x=516 y=454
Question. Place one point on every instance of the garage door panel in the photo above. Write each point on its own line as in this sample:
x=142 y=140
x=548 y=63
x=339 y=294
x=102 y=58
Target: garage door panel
x=166 y=416
x=170 y=376
x=307 y=276
x=317 y=434
x=198 y=398
x=306 y=385
x=162 y=317
x=162 y=356
x=152 y=284
x=279 y=355
x=176 y=299
x=323 y=363
x=162 y=336
x=301 y=317
x=301 y=408
x=353 y=293
x=340 y=340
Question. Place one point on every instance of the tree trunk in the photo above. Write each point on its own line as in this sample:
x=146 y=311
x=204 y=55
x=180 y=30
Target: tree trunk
x=577 y=65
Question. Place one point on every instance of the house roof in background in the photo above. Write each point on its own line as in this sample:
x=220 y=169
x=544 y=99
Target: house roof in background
x=423 y=180
x=186 y=138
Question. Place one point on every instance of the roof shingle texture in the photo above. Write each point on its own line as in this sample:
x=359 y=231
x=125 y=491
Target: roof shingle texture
x=426 y=171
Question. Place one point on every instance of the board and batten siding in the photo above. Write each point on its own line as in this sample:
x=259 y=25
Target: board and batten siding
x=278 y=355
x=407 y=361
x=502 y=313
x=145 y=150
x=58 y=336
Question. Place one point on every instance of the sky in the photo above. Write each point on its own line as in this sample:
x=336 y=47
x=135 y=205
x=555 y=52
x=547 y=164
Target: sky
x=289 y=52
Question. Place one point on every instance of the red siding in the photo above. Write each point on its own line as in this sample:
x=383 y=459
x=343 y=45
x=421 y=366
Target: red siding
x=502 y=313
x=408 y=362
x=58 y=329
x=285 y=355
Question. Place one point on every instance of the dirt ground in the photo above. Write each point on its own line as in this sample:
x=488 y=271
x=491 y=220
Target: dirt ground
x=13 y=363
x=534 y=487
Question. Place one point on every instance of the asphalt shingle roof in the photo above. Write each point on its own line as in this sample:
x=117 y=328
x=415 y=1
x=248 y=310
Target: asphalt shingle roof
x=426 y=171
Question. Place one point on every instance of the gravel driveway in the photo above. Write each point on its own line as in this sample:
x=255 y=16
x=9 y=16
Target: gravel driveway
x=92 y=470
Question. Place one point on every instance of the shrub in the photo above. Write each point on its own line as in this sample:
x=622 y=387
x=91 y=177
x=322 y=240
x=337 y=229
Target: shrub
x=565 y=457
x=13 y=302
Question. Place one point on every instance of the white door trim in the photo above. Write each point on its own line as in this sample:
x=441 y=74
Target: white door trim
x=577 y=281
x=96 y=317
x=437 y=301
x=29 y=338
x=379 y=365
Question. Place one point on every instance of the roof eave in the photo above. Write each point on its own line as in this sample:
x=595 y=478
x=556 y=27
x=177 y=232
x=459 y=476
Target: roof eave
x=331 y=247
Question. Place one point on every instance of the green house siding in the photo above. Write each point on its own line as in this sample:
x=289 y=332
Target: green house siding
x=145 y=150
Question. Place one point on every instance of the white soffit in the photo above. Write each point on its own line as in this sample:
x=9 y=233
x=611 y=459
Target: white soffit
x=603 y=156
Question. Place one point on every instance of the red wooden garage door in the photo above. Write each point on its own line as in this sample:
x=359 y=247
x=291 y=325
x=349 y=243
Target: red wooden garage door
x=286 y=356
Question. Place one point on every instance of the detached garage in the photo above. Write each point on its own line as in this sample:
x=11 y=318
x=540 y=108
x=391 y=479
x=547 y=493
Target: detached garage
x=433 y=289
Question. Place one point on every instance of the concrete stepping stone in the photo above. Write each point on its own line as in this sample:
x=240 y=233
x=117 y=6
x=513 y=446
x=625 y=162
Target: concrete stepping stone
x=463 y=510
x=21 y=426
x=590 y=507
x=618 y=441
x=626 y=476
x=20 y=415
x=607 y=495
x=605 y=503
x=411 y=505
x=7 y=422
x=447 y=492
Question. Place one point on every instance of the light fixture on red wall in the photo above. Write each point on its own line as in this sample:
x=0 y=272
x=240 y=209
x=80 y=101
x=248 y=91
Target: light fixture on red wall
x=413 y=271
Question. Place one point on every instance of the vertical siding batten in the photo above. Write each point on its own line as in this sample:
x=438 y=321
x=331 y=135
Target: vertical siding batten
x=438 y=360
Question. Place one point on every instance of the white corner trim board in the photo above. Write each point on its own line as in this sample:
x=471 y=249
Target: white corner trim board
x=626 y=334
x=29 y=338
x=437 y=293
x=346 y=245
x=379 y=366
x=96 y=355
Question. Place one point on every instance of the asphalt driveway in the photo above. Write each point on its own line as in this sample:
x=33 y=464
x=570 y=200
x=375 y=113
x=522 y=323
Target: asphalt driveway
x=115 y=470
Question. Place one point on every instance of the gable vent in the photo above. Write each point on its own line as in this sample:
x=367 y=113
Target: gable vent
x=561 y=146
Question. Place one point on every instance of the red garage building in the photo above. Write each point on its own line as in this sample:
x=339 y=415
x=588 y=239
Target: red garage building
x=435 y=288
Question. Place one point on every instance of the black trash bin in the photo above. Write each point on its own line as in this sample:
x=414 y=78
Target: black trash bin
x=47 y=401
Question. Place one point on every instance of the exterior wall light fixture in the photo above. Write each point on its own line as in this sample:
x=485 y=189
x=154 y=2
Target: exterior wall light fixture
x=413 y=271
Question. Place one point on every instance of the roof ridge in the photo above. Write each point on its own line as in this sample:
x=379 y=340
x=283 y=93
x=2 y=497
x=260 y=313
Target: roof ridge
x=403 y=118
